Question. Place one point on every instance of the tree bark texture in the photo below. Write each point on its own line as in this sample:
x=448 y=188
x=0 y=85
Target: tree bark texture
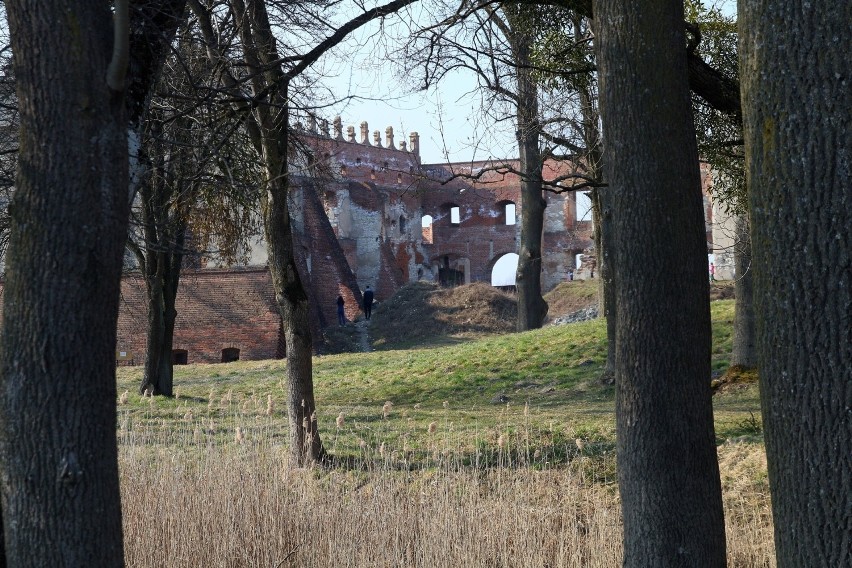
x=58 y=450
x=305 y=443
x=532 y=308
x=667 y=467
x=744 y=352
x=796 y=90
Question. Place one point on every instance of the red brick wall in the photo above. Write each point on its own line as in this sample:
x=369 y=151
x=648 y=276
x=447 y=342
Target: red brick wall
x=217 y=309
x=330 y=273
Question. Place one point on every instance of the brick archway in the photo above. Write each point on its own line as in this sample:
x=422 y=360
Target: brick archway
x=504 y=263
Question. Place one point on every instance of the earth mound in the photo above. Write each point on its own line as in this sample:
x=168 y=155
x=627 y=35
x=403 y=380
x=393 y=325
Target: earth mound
x=423 y=311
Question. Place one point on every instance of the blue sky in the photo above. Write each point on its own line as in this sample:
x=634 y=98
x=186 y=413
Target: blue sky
x=448 y=119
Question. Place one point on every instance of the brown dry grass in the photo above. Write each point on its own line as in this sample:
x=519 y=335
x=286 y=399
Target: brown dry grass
x=422 y=312
x=489 y=486
x=722 y=290
x=568 y=297
x=226 y=504
x=735 y=378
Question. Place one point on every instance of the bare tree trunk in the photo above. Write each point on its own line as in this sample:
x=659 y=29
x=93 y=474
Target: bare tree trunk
x=164 y=234
x=601 y=213
x=667 y=468
x=305 y=443
x=594 y=164
x=532 y=308
x=259 y=45
x=162 y=285
x=156 y=324
x=170 y=288
x=795 y=88
x=268 y=128
x=607 y=266
x=58 y=450
x=744 y=353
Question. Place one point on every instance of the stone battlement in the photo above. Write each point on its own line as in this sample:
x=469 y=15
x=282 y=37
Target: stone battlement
x=334 y=131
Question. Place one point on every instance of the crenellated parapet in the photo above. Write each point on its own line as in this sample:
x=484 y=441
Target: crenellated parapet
x=334 y=131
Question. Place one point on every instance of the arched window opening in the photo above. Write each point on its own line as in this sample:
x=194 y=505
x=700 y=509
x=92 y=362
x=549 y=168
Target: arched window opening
x=230 y=354
x=180 y=357
x=426 y=224
x=503 y=273
x=402 y=224
x=455 y=215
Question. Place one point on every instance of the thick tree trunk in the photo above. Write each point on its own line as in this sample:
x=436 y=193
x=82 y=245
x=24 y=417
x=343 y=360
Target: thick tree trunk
x=273 y=125
x=795 y=86
x=532 y=309
x=170 y=288
x=58 y=451
x=667 y=468
x=744 y=352
x=153 y=25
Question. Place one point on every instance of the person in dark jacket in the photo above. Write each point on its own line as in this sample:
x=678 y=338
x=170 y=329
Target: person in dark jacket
x=368 y=302
x=341 y=317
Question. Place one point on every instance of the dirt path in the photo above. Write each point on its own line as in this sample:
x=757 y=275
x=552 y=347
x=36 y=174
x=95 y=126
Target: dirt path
x=363 y=327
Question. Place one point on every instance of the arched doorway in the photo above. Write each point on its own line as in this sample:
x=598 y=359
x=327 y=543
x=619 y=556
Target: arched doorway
x=504 y=270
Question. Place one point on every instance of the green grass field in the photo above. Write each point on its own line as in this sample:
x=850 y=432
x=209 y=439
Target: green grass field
x=549 y=378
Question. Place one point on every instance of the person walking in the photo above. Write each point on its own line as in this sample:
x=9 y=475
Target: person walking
x=368 y=303
x=341 y=316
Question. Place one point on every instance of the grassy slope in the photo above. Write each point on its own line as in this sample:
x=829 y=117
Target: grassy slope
x=553 y=370
x=569 y=297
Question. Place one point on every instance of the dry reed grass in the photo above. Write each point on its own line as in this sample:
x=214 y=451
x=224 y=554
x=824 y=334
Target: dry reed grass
x=195 y=497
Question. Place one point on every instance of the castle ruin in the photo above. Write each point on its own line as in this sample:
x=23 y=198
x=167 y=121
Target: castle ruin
x=366 y=211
